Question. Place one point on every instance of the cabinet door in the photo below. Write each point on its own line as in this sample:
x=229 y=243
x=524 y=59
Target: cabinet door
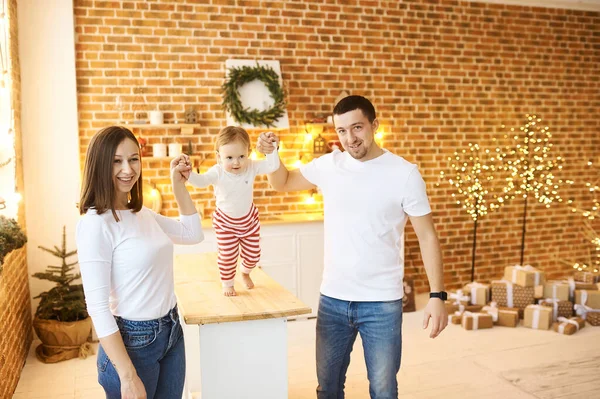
x=284 y=274
x=310 y=268
x=278 y=256
x=277 y=246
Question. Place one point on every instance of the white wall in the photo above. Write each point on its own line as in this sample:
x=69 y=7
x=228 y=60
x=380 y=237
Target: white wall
x=50 y=129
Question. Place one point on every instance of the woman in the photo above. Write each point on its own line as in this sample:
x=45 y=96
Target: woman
x=126 y=260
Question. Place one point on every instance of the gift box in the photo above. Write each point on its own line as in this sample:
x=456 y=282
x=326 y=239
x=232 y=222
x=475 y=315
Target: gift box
x=525 y=276
x=568 y=326
x=587 y=276
x=508 y=317
x=476 y=321
x=538 y=317
x=586 y=286
x=505 y=317
x=556 y=290
x=592 y=316
x=479 y=293
x=538 y=291
x=559 y=308
x=509 y=295
x=455 y=318
x=452 y=307
x=588 y=298
x=408 y=300
x=459 y=297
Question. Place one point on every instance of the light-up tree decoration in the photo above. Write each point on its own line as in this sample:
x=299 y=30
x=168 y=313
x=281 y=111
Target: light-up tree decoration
x=471 y=176
x=531 y=166
x=589 y=210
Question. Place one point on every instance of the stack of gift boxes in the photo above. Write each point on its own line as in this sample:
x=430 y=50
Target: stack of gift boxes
x=523 y=293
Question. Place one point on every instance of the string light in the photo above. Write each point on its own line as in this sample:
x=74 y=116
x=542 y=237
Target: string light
x=592 y=210
x=531 y=164
x=470 y=175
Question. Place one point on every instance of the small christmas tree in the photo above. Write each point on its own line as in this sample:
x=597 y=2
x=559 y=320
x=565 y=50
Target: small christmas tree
x=11 y=237
x=65 y=302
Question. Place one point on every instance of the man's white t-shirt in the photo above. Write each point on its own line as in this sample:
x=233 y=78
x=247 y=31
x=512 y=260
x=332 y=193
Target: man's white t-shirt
x=365 y=205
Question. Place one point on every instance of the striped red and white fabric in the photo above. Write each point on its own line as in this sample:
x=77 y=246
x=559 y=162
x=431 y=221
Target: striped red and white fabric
x=234 y=234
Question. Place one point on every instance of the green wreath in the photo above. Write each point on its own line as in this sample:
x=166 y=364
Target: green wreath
x=239 y=76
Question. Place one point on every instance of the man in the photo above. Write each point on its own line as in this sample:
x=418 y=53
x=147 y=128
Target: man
x=367 y=193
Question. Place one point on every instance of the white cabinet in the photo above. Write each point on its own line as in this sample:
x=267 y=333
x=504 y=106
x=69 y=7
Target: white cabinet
x=292 y=254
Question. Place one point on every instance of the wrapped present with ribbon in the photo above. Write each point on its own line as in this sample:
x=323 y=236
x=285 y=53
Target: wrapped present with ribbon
x=505 y=317
x=455 y=318
x=568 y=326
x=588 y=298
x=586 y=286
x=476 y=321
x=525 y=276
x=557 y=290
x=452 y=307
x=459 y=297
x=538 y=291
x=559 y=308
x=507 y=294
x=480 y=293
x=456 y=302
x=587 y=276
x=588 y=314
x=538 y=317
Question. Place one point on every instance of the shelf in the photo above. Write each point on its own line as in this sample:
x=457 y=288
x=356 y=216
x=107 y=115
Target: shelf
x=193 y=157
x=186 y=128
x=324 y=124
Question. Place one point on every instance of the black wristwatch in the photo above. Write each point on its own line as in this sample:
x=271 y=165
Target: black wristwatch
x=443 y=295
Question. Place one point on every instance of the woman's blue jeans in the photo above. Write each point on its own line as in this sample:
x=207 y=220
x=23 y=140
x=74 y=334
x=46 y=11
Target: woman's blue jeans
x=157 y=351
x=380 y=328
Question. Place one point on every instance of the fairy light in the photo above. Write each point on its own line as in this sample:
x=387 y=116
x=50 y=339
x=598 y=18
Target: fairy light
x=531 y=164
x=590 y=210
x=470 y=175
x=253 y=155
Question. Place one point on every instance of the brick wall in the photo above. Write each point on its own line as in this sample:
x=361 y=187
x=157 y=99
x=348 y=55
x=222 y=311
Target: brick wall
x=441 y=75
x=15 y=319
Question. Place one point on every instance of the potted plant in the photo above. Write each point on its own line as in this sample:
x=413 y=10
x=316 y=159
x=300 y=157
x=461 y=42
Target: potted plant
x=61 y=320
x=11 y=237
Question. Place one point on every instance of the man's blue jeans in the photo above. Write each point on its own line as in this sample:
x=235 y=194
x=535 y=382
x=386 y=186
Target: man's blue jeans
x=157 y=351
x=380 y=328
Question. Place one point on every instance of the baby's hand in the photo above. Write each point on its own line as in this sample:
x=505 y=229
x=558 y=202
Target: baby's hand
x=267 y=142
x=181 y=167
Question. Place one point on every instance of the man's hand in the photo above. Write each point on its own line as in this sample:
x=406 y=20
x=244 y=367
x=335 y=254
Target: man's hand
x=267 y=142
x=436 y=311
x=181 y=168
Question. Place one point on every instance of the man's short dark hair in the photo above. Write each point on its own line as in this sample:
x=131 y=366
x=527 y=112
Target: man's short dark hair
x=351 y=103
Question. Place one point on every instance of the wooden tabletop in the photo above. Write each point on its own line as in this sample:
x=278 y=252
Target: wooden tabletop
x=201 y=301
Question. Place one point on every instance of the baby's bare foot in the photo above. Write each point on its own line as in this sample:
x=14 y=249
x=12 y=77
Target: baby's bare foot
x=229 y=291
x=247 y=281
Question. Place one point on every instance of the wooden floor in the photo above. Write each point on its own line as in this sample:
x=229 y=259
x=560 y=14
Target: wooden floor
x=502 y=363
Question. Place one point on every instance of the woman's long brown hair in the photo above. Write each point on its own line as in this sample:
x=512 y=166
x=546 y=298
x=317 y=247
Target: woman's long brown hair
x=98 y=188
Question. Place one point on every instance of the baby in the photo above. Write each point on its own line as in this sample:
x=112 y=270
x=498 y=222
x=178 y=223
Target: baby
x=235 y=219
